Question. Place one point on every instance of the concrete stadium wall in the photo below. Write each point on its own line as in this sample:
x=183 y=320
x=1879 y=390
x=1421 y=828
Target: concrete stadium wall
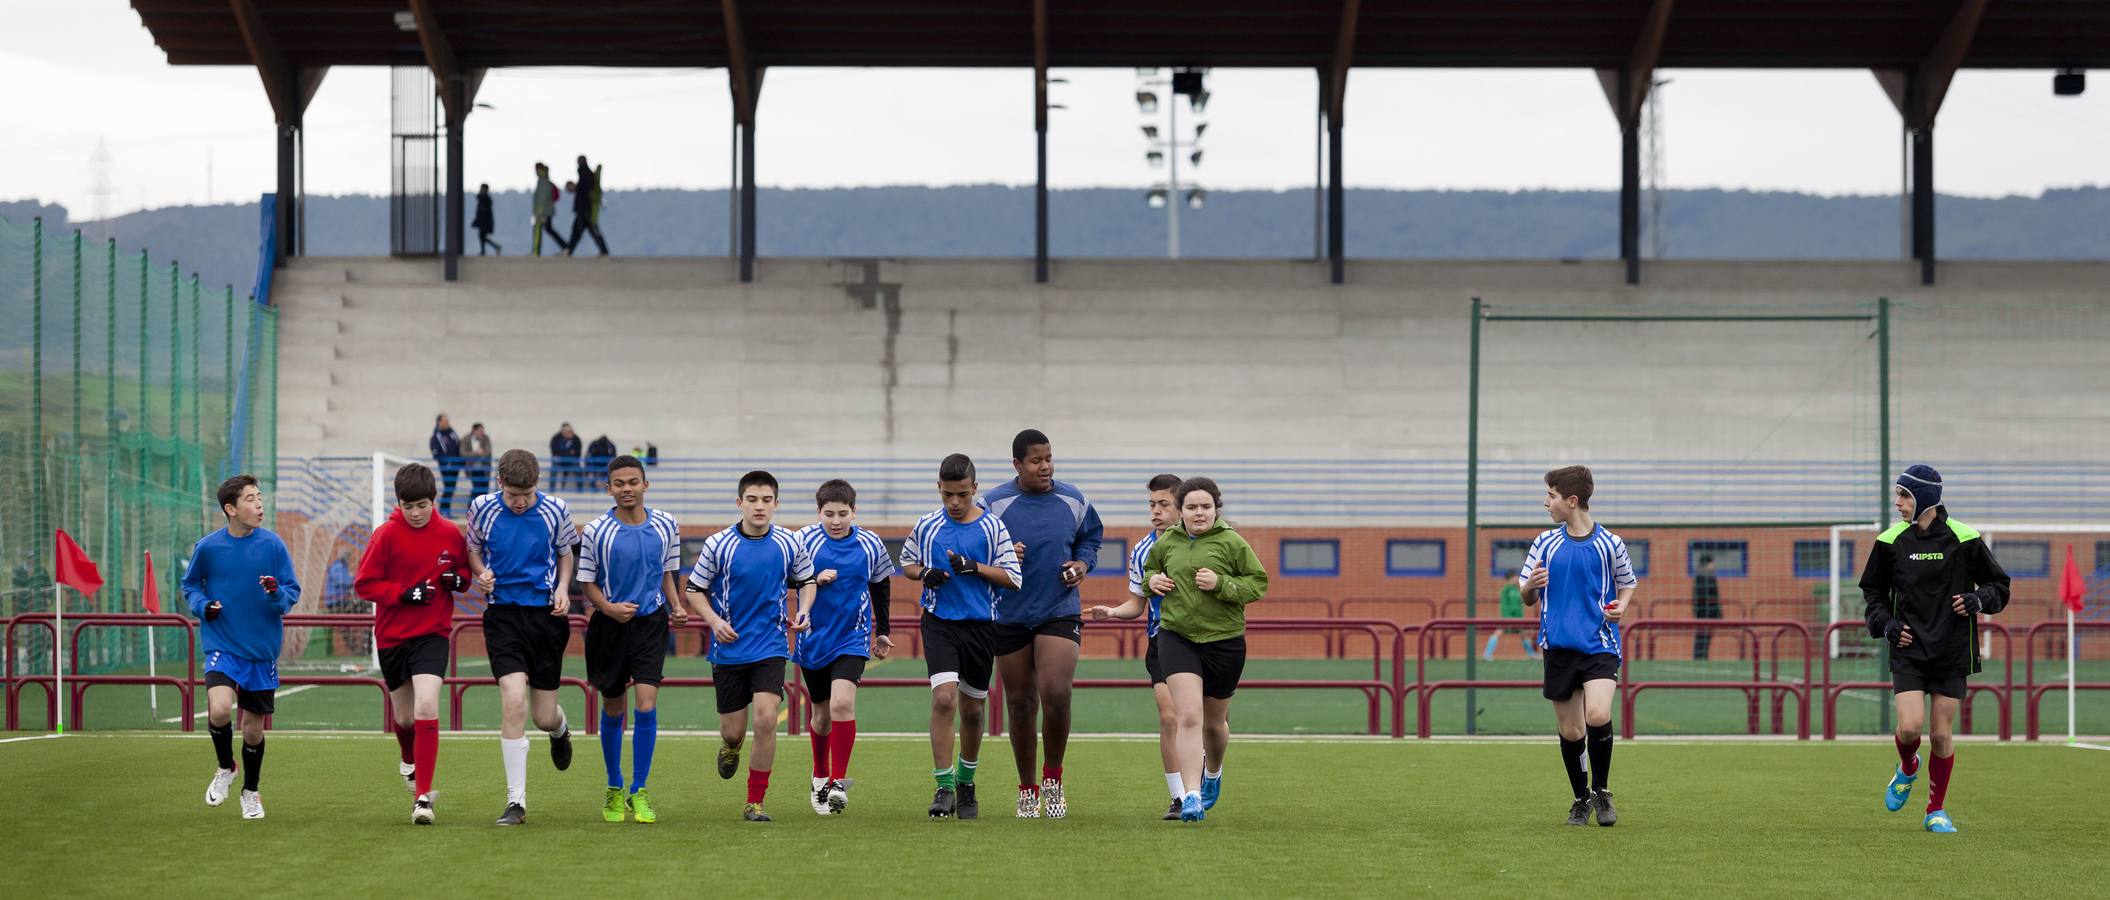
x=911 y=359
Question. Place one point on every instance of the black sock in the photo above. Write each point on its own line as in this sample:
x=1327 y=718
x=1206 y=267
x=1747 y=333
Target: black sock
x=1572 y=757
x=252 y=764
x=222 y=743
x=1600 y=755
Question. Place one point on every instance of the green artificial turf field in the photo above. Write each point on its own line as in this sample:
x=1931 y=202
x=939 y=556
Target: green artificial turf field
x=113 y=813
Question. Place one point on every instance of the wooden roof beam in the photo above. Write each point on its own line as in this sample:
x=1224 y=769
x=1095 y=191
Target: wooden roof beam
x=1640 y=67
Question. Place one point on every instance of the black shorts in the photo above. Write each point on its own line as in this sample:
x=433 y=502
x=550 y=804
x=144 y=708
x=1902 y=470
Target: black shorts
x=820 y=683
x=1219 y=663
x=1566 y=670
x=1150 y=661
x=619 y=654
x=262 y=703
x=526 y=639
x=425 y=654
x=1010 y=639
x=738 y=685
x=1931 y=677
x=959 y=651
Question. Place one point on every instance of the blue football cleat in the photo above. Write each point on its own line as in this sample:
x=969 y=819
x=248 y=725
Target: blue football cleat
x=1939 y=822
x=1900 y=788
x=1191 y=807
x=1212 y=788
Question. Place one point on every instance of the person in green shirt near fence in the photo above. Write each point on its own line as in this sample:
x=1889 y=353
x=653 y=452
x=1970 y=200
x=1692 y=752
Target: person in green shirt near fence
x=1512 y=608
x=1207 y=574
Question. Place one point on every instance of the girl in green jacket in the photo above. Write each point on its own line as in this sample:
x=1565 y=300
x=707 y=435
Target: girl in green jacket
x=1207 y=574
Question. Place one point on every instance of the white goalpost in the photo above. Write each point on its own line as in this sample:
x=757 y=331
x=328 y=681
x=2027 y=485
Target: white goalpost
x=1843 y=589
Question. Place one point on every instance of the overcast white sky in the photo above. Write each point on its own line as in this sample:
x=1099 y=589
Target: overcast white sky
x=85 y=71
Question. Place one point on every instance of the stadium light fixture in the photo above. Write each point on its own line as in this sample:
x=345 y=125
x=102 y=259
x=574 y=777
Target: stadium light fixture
x=1155 y=197
x=1150 y=132
x=406 y=20
x=2069 y=82
x=1187 y=82
x=1156 y=158
x=1196 y=197
x=1200 y=127
x=1195 y=157
x=1146 y=71
x=1147 y=102
x=1199 y=100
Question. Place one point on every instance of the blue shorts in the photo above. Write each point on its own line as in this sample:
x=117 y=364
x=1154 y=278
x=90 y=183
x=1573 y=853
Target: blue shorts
x=247 y=674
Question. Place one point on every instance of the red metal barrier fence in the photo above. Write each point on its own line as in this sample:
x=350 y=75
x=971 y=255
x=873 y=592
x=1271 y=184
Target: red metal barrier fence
x=1387 y=692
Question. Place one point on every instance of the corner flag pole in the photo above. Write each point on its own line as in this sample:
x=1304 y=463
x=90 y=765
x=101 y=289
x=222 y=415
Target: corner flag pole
x=58 y=654
x=2072 y=659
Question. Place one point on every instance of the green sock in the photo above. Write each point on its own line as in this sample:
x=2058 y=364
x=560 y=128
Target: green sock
x=944 y=777
x=967 y=771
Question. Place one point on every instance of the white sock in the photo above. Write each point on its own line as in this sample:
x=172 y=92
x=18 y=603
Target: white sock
x=563 y=726
x=515 y=752
x=1219 y=773
x=1172 y=783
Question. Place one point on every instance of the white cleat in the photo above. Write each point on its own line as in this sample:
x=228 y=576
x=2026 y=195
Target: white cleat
x=819 y=797
x=216 y=792
x=421 y=810
x=1028 y=804
x=838 y=795
x=410 y=776
x=1051 y=798
x=252 y=805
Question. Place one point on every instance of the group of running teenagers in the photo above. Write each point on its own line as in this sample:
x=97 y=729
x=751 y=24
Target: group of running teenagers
x=998 y=579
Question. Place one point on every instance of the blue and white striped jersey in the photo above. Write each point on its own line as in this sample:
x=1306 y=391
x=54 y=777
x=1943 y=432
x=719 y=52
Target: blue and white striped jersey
x=966 y=598
x=1583 y=574
x=1137 y=584
x=842 y=609
x=521 y=549
x=747 y=579
x=630 y=562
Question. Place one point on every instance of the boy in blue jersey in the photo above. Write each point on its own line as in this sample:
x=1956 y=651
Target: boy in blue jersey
x=627 y=560
x=1581 y=572
x=741 y=577
x=1163 y=513
x=241 y=585
x=851 y=572
x=963 y=556
x=1041 y=624
x=520 y=547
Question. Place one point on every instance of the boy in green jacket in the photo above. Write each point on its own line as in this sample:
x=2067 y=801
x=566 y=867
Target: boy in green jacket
x=1207 y=574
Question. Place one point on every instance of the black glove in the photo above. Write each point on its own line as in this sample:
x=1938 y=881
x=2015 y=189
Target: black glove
x=417 y=595
x=212 y=610
x=934 y=577
x=961 y=565
x=1972 y=605
x=454 y=581
x=1895 y=631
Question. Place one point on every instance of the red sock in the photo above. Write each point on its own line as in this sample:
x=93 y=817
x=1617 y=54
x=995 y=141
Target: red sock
x=428 y=751
x=1938 y=770
x=1907 y=762
x=1051 y=773
x=820 y=753
x=1030 y=787
x=841 y=737
x=757 y=784
x=405 y=738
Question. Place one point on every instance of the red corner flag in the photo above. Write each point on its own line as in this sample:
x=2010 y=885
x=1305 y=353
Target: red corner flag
x=76 y=570
x=152 y=593
x=2071 y=588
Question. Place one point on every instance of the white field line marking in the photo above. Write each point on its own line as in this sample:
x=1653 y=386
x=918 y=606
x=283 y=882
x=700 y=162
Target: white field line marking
x=33 y=737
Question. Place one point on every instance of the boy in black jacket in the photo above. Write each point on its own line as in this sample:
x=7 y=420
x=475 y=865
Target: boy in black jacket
x=1927 y=580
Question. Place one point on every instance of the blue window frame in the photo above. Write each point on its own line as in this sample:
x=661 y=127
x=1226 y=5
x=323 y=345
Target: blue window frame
x=1415 y=558
x=1310 y=557
x=2024 y=559
x=1813 y=559
x=1732 y=559
x=1507 y=556
x=1113 y=558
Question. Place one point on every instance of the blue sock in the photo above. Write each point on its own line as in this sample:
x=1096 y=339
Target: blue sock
x=612 y=747
x=641 y=746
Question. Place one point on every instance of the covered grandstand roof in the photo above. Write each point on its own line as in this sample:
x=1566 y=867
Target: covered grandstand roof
x=1253 y=33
